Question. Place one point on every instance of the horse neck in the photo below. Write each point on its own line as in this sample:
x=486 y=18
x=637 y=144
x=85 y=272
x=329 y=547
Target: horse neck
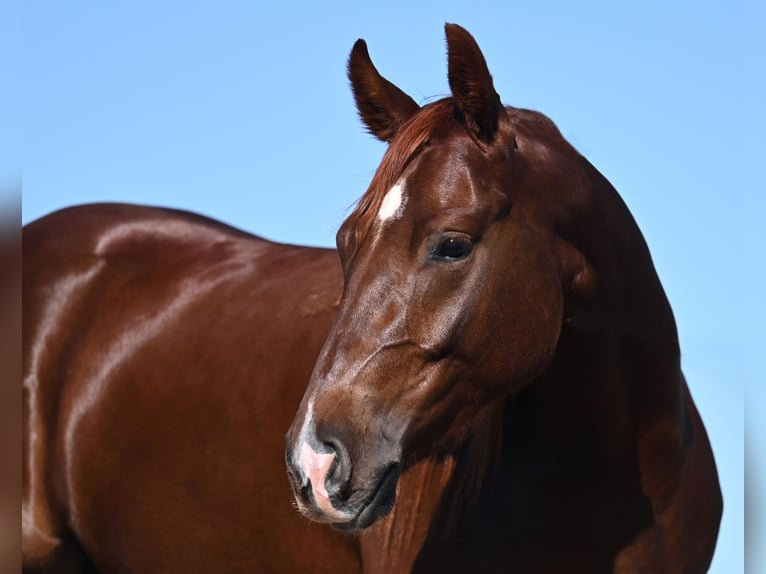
x=612 y=397
x=616 y=371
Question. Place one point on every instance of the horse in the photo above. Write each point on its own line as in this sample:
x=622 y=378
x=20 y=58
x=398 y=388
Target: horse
x=484 y=377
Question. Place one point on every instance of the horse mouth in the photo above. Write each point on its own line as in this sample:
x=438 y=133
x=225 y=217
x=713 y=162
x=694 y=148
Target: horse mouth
x=379 y=503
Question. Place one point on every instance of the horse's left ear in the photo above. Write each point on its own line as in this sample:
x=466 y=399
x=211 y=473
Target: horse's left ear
x=471 y=83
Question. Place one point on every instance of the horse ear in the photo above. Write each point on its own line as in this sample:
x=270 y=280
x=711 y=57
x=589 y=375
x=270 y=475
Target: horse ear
x=471 y=83
x=382 y=106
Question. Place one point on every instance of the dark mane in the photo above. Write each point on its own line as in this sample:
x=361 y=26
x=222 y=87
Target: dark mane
x=433 y=122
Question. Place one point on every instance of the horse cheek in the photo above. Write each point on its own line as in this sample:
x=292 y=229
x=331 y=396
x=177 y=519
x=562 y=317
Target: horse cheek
x=526 y=326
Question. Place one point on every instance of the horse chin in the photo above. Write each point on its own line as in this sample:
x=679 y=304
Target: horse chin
x=381 y=502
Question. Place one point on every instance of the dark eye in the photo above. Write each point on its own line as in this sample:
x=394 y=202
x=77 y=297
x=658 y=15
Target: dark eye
x=453 y=247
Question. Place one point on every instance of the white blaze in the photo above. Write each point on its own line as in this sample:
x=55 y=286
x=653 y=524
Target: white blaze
x=393 y=202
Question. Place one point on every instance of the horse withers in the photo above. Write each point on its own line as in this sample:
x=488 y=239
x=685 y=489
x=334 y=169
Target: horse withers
x=492 y=365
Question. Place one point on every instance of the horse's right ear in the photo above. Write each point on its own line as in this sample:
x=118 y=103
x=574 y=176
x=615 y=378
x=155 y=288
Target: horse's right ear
x=382 y=106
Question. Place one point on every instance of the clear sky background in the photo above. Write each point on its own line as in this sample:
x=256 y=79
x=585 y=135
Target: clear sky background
x=241 y=111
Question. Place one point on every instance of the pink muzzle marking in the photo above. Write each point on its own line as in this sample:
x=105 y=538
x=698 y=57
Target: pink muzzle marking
x=315 y=466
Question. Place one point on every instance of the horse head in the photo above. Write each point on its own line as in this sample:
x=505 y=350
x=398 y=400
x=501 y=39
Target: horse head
x=456 y=284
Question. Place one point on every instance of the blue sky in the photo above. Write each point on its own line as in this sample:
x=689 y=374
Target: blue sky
x=242 y=112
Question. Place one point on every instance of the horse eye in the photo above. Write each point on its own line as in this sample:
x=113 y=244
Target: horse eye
x=452 y=248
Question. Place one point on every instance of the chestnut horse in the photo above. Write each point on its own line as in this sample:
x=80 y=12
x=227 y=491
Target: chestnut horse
x=492 y=365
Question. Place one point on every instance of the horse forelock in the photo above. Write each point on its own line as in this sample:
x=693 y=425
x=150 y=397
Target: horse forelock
x=433 y=122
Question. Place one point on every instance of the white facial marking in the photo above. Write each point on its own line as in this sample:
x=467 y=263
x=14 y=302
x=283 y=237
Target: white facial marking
x=314 y=469
x=316 y=466
x=308 y=420
x=393 y=203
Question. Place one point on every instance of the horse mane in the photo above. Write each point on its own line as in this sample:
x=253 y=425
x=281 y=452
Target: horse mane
x=433 y=122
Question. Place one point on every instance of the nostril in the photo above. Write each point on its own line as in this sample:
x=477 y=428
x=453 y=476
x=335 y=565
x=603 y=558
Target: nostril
x=323 y=469
x=339 y=475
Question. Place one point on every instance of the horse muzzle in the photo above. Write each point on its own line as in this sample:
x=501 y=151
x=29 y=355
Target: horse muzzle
x=321 y=476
